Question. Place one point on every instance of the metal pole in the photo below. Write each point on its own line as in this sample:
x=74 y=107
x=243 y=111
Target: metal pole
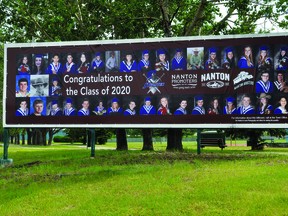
x=198 y=141
x=6 y=143
x=92 y=131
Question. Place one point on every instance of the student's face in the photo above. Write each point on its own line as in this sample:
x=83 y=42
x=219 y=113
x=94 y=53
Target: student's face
x=200 y=103
x=132 y=105
x=283 y=52
x=69 y=58
x=54 y=106
x=83 y=58
x=263 y=100
x=56 y=59
x=146 y=56
x=101 y=104
x=247 y=51
x=230 y=55
x=162 y=57
x=147 y=103
x=128 y=57
x=68 y=105
x=196 y=53
x=246 y=101
x=38 y=108
x=164 y=102
x=213 y=55
x=280 y=77
x=183 y=104
x=39 y=88
x=25 y=60
x=265 y=77
x=283 y=102
x=23 y=86
x=38 y=61
x=85 y=104
x=263 y=53
x=178 y=54
x=114 y=105
x=98 y=58
x=55 y=83
x=229 y=104
x=23 y=105
x=215 y=103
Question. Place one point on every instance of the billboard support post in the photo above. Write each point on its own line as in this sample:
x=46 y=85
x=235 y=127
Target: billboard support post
x=92 y=131
x=5 y=161
x=198 y=141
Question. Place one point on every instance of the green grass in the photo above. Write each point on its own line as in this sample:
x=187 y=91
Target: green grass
x=63 y=180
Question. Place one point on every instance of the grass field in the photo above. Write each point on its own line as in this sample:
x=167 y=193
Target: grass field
x=63 y=180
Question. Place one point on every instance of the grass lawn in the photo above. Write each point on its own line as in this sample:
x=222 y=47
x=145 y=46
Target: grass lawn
x=63 y=180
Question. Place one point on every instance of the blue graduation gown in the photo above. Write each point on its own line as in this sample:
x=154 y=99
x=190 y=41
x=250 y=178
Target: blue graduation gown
x=260 y=111
x=20 y=112
x=248 y=110
x=242 y=63
x=83 y=112
x=58 y=69
x=147 y=110
x=129 y=112
x=98 y=66
x=71 y=112
x=262 y=87
x=179 y=63
x=198 y=111
x=110 y=111
x=128 y=68
x=225 y=111
x=180 y=111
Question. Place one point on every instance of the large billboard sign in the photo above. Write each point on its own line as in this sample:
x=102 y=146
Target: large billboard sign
x=192 y=82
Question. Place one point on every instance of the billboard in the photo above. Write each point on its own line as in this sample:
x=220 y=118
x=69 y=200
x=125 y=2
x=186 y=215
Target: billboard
x=186 y=82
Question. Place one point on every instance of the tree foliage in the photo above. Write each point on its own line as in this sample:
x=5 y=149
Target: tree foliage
x=63 y=20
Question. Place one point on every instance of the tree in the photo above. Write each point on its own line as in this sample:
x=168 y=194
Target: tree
x=26 y=21
x=254 y=135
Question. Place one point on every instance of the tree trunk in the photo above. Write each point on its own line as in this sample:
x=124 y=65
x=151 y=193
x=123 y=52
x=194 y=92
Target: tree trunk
x=23 y=138
x=147 y=139
x=50 y=133
x=174 y=139
x=254 y=138
x=43 y=137
x=121 y=139
x=29 y=136
x=11 y=139
x=18 y=139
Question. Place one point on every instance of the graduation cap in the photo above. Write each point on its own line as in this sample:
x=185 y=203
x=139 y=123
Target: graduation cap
x=115 y=100
x=264 y=48
x=55 y=79
x=54 y=102
x=212 y=50
x=98 y=54
x=284 y=48
x=229 y=49
x=230 y=99
x=38 y=56
x=145 y=52
x=161 y=51
x=178 y=50
x=68 y=100
x=147 y=99
x=197 y=98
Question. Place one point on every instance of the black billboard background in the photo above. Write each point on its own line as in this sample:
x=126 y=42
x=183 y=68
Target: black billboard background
x=198 y=84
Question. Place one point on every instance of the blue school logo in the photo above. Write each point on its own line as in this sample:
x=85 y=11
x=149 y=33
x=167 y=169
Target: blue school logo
x=153 y=82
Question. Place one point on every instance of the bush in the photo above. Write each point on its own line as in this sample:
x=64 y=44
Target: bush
x=62 y=139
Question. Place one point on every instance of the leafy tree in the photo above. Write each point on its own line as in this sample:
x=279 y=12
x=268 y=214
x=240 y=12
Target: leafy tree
x=254 y=135
x=38 y=20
